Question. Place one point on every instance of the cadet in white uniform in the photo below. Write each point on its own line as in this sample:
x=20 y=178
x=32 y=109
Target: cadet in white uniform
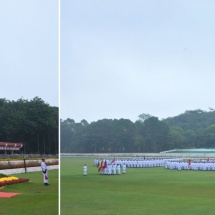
x=179 y=165
x=109 y=169
x=114 y=169
x=45 y=171
x=124 y=168
x=118 y=169
x=85 y=170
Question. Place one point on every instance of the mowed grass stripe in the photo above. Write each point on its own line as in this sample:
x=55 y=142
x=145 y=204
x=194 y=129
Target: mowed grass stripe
x=139 y=191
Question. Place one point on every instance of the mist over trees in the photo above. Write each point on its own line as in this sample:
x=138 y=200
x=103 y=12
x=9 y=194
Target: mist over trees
x=33 y=123
x=192 y=129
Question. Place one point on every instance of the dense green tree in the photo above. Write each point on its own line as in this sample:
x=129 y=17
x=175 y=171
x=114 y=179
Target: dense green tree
x=210 y=136
x=148 y=134
x=138 y=143
x=155 y=133
x=33 y=123
x=176 y=137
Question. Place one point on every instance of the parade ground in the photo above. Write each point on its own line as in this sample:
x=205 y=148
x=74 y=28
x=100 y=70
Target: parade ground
x=149 y=191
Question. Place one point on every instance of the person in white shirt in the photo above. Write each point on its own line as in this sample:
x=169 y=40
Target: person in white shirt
x=109 y=169
x=85 y=170
x=124 y=168
x=114 y=169
x=45 y=171
x=179 y=165
x=118 y=169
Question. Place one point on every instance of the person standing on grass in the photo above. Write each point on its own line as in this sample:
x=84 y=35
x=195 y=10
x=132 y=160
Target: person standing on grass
x=85 y=170
x=118 y=169
x=109 y=169
x=45 y=171
x=124 y=168
x=114 y=169
x=189 y=163
x=179 y=165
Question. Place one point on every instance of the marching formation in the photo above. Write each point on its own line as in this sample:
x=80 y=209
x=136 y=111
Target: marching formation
x=118 y=166
x=131 y=163
x=109 y=167
x=195 y=164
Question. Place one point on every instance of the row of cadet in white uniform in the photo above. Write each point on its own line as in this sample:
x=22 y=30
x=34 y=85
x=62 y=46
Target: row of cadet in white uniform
x=114 y=166
x=136 y=163
x=192 y=166
x=168 y=163
x=113 y=169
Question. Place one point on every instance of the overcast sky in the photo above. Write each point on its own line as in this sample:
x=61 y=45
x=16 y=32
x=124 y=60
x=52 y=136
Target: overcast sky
x=29 y=50
x=123 y=58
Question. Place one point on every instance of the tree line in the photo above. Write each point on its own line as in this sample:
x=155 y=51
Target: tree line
x=33 y=123
x=192 y=129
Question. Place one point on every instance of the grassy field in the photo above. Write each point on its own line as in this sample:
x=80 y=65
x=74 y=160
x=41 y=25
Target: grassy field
x=141 y=191
x=36 y=199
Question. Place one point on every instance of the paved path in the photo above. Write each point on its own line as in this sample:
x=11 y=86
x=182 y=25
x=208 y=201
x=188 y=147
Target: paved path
x=29 y=169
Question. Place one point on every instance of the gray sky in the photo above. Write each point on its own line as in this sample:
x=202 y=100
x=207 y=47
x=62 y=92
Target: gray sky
x=123 y=58
x=29 y=50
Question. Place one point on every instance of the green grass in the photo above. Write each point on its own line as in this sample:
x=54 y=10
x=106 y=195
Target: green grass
x=36 y=199
x=141 y=191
